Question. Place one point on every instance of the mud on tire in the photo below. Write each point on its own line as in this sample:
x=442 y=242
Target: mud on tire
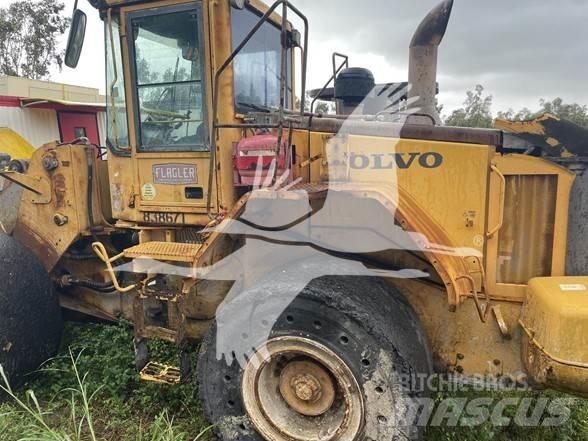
x=364 y=321
x=30 y=315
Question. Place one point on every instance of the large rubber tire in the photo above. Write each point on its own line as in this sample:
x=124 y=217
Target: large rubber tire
x=363 y=320
x=30 y=316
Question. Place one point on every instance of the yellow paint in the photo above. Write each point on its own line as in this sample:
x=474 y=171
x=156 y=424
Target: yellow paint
x=14 y=144
x=555 y=320
x=464 y=170
x=532 y=127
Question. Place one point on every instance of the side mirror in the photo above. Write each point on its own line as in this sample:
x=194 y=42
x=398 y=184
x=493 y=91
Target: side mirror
x=75 y=41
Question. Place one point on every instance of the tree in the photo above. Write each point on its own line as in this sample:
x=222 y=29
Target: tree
x=524 y=114
x=29 y=34
x=477 y=111
x=574 y=112
x=319 y=107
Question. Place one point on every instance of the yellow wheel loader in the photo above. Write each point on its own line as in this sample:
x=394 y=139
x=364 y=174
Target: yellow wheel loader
x=329 y=265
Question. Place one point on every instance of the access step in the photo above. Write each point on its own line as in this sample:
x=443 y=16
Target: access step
x=161 y=373
x=164 y=251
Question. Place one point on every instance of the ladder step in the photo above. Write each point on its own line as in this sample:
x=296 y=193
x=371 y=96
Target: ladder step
x=159 y=333
x=161 y=373
x=164 y=251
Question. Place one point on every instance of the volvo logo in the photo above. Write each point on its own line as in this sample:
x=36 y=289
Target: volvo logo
x=389 y=161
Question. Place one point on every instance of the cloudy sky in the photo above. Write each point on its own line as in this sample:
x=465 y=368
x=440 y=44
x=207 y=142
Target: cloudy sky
x=520 y=50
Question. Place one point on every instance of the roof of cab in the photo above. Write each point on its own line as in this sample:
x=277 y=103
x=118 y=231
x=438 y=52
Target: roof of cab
x=105 y=4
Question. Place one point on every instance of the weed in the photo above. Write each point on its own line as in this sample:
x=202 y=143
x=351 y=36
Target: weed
x=91 y=392
x=96 y=395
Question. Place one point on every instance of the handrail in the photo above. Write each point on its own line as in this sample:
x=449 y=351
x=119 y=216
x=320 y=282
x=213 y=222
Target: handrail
x=336 y=71
x=483 y=310
x=102 y=254
x=216 y=93
x=498 y=227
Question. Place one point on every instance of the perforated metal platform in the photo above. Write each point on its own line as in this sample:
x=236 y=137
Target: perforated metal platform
x=161 y=373
x=164 y=251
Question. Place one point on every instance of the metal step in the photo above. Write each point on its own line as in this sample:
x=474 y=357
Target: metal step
x=164 y=251
x=161 y=373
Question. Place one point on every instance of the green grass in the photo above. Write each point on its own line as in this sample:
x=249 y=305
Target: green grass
x=575 y=429
x=91 y=392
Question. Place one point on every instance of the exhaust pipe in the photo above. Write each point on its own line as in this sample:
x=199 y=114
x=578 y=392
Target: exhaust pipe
x=422 y=71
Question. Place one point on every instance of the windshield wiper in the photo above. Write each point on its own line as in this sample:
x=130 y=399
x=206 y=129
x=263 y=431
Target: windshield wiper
x=256 y=107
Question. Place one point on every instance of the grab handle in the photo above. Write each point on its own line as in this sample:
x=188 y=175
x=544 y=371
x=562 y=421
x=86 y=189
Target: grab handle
x=498 y=227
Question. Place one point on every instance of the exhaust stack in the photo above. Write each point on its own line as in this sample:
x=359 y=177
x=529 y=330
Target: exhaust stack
x=422 y=71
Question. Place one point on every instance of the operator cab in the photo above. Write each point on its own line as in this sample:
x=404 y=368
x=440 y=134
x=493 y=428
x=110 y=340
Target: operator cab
x=167 y=163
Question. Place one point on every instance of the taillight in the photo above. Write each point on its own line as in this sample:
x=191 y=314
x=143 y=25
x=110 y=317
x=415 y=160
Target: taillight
x=257 y=153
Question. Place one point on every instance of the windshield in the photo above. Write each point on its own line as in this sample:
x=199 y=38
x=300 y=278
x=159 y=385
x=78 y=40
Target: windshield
x=117 y=129
x=257 y=68
x=168 y=74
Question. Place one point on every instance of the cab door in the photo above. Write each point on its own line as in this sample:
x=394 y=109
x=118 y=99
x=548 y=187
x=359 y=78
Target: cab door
x=73 y=125
x=172 y=154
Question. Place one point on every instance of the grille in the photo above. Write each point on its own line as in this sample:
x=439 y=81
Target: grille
x=190 y=235
x=525 y=247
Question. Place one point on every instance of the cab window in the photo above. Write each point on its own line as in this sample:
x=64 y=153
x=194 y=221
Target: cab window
x=117 y=128
x=257 y=68
x=167 y=50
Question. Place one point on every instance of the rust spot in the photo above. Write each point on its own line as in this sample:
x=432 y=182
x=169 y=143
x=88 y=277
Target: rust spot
x=60 y=190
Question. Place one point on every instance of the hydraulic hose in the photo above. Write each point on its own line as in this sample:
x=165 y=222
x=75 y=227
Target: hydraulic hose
x=103 y=287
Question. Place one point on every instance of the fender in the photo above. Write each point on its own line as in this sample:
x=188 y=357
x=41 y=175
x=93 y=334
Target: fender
x=443 y=254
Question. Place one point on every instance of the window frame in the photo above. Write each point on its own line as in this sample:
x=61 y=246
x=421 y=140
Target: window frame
x=290 y=100
x=186 y=148
x=117 y=150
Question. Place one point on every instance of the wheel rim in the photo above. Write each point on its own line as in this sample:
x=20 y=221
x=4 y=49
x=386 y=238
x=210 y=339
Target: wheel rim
x=297 y=389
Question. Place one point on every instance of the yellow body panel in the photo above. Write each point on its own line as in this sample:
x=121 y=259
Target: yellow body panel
x=464 y=170
x=14 y=144
x=17 y=147
x=555 y=321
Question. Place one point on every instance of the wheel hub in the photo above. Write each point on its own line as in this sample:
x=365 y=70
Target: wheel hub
x=296 y=389
x=307 y=388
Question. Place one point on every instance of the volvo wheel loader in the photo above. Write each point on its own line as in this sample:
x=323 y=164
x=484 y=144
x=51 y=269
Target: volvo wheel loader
x=326 y=264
